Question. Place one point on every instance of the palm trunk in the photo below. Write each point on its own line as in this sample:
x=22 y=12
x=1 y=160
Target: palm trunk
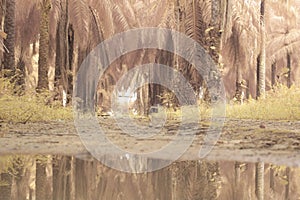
x=237 y=176
x=174 y=180
x=287 y=186
x=81 y=187
x=262 y=56
x=143 y=98
x=44 y=179
x=71 y=74
x=273 y=74
x=272 y=181
x=238 y=78
x=259 y=180
x=63 y=187
x=62 y=50
x=223 y=24
x=43 y=82
x=289 y=82
x=238 y=83
x=5 y=190
x=72 y=179
x=215 y=34
x=56 y=178
x=41 y=178
x=20 y=79
x=9 y=42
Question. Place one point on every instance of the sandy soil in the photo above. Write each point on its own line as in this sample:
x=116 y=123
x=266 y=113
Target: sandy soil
x=275 y=142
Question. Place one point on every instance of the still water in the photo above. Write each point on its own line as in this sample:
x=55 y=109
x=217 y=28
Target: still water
x=55 y=177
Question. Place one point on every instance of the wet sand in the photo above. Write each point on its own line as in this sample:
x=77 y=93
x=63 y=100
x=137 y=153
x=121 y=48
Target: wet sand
x=276 y=142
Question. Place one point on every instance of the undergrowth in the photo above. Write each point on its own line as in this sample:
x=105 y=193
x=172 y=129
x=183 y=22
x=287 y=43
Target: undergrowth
x=281 y=103
x=30 y=107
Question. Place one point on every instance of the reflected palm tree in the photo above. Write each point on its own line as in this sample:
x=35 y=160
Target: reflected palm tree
x=287 y=186
x=44 y=186
x=272 y=181
x=31 y=177
x=6 y=186
x=237 y=174
x=259 y=180
x=64 y=178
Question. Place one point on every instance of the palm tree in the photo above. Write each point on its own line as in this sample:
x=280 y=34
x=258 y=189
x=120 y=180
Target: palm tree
x=261 y=65
x=239 y=42
x=122 y=17
x=217 y=10
x=230 y=26
x=284 y=35
x=194 y=22
x=62 y=69
x=2 y=13
x=9 y=42
x=190 y=17
x=43 y=82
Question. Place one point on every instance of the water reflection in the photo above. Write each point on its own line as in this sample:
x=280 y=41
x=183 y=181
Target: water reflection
x=55 y=177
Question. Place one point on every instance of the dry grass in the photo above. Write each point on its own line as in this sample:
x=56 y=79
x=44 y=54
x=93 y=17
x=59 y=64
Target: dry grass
x=280 y=104
x=28 y=108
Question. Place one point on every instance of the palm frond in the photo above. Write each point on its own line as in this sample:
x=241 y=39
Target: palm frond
x=106 y=18
x=120 y=19
x=206 y=10
x=244 y=16
x=284 y=30
x=292 y=36
x=27 y=22
x=79 y=17
x=58 y=8
x=155 y=12
x=98 y=28
x=286 y=42
x=168 y=17
x=284 y=16
x=130 y=12
x=281 y=52
x=194 y=24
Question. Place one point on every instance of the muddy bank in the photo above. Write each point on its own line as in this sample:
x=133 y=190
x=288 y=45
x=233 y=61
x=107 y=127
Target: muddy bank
x=275 y=142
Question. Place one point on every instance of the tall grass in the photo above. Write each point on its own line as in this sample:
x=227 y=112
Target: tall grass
x=281 y=103
x=30 y=107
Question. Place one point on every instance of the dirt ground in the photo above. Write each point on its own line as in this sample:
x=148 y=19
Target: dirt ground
x=276 y=142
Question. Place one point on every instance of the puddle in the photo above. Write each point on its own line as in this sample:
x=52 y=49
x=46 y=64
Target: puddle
x=56 y=177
